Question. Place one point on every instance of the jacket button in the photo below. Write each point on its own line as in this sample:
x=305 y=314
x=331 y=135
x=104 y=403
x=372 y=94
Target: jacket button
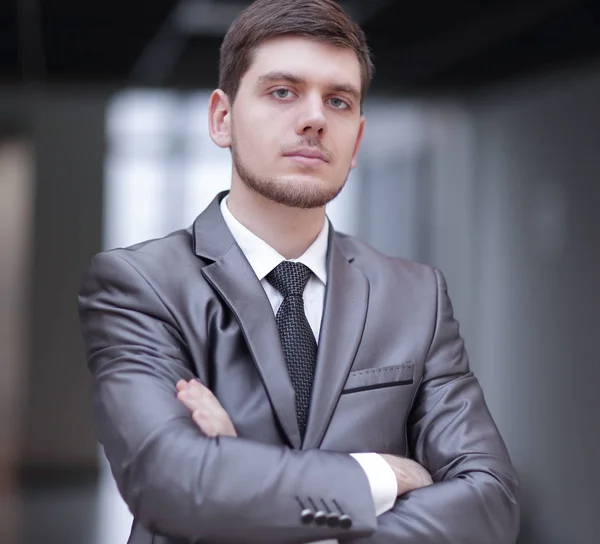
x=345 y=521
x=307 y=516
x=320 y=518
x=333 y=519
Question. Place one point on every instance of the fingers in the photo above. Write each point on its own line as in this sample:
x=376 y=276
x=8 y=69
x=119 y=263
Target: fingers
x=199 y=386
x=409 y=474
x=202 y=419
x=206 y=410
x=213 y=426
x=181 y=385
x=188 y=400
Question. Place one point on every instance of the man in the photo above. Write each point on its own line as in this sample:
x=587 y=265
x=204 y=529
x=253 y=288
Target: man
x=262 y=378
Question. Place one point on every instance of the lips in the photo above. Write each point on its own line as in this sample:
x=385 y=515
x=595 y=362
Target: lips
x=307 y=155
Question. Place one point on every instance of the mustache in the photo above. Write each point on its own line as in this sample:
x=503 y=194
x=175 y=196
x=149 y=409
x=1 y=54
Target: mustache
x=308 y=142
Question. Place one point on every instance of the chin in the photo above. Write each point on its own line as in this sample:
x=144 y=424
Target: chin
x=297 y=192
x=304 y=177
x=310 y=183
x=304 y=188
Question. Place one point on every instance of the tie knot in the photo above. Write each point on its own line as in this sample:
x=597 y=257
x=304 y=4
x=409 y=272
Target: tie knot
x=289 y=278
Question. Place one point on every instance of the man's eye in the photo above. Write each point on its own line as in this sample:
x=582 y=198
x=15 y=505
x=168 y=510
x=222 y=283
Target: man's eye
x=338 y=103
x=281 y=93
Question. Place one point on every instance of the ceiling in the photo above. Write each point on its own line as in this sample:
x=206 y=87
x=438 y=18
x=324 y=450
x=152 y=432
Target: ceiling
x=429 y=44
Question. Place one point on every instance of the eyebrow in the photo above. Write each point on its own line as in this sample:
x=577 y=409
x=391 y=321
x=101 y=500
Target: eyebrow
x=275 y=76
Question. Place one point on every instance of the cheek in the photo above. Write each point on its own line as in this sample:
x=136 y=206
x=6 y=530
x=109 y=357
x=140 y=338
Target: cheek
x=344 y=133
x=254 y=140
x=347 y=147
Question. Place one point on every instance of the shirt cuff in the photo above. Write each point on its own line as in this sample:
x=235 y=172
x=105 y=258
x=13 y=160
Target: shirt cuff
x=384 y=488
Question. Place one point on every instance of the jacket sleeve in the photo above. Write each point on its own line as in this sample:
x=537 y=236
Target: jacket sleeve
x=176 y=481
x=474 y=499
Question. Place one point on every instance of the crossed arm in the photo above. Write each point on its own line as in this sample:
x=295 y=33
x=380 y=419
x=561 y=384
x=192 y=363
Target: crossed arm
x=181 y=483
x=474 y=499
x=213 y=421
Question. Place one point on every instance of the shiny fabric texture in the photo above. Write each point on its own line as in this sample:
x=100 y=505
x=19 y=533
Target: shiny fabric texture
x=391 y=376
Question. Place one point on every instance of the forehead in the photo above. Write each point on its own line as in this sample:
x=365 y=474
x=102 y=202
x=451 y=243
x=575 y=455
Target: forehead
x=314 y=61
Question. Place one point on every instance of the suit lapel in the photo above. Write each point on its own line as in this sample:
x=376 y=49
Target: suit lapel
x=232 y=276
x=344 y=316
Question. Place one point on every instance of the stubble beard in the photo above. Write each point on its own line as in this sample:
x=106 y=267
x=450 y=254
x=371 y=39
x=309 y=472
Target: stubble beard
x=294 y=193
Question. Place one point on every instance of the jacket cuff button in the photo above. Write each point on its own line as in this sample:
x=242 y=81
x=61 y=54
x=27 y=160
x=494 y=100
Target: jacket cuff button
x=307 y=516
x=345 y=521
x=333 y=519
x=320 y=518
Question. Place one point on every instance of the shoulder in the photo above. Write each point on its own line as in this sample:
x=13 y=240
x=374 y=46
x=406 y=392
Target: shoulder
x=382 y=268
x=158 y=251
x=153 y=260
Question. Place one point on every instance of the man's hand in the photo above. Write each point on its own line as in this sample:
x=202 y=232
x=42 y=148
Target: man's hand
x=409 y=474
x=214 y=421
x=206 y=410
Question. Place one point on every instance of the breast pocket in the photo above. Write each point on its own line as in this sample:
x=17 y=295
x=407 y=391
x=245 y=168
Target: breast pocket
x=372 y=411
x=379 y=378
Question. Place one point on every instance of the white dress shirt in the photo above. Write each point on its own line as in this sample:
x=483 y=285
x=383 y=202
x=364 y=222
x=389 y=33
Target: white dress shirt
x=263 y=258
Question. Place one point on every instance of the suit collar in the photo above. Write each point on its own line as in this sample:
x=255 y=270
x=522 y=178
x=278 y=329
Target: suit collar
x=211 y=239
x=233 y=279
x=263 y=258
x=344 y=316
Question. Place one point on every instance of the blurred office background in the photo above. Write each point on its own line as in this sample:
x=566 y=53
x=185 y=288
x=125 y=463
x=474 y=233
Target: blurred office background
x=481 y=157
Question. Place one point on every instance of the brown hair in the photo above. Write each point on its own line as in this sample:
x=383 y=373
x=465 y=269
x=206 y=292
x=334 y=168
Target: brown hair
x=322 y=20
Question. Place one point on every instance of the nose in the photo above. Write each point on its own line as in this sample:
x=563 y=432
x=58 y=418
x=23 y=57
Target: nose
x=312 y=120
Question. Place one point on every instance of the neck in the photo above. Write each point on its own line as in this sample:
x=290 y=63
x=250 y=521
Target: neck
x=290 y=231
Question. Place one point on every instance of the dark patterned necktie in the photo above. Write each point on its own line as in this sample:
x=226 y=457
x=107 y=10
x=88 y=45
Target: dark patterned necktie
x=297 y=339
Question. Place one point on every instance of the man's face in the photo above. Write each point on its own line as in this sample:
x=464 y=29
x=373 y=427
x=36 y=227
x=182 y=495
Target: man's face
x=296 y=124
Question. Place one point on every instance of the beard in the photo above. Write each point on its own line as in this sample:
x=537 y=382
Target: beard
x=294 y=193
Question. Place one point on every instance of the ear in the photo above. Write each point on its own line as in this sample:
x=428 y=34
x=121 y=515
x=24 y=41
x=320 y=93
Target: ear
x=219 y=119
x=359 y=138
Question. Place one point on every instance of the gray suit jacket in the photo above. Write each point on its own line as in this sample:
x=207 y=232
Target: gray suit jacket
x=392 y=376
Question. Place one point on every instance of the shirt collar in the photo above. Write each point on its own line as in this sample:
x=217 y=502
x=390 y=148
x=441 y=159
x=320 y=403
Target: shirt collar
x=263 y=258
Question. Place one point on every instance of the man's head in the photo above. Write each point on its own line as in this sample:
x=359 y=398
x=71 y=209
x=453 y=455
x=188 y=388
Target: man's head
x=293 y=75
